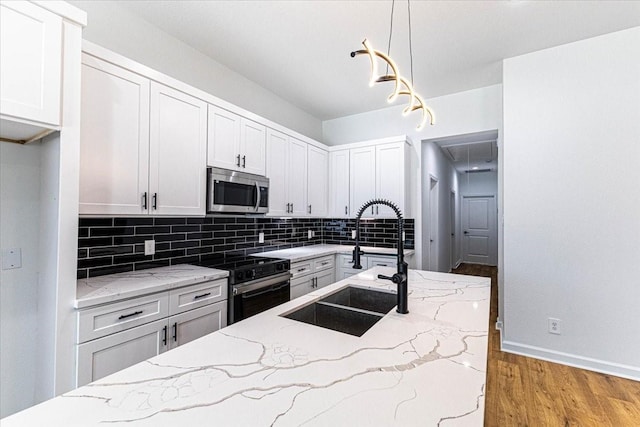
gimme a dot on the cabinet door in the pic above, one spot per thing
(104, 356)
(317, 173)
(339, 184)
(223, 145)
(177, 152)
(252, 147)
(362, 179)
(197, 323)
(30, 62)
(301, 286)
(277, 170)
(114, 140)
(390, 177)
(297, 178)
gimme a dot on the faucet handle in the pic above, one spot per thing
(382, 276)
(396, 278)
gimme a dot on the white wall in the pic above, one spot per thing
(456, 114)
(114, 27)
(480, 183)
(19, 228)
(572, 203)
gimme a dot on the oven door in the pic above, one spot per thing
(257, 296)
(236, 192)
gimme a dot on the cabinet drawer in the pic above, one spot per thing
(301, 268)
(194, 296)
(346, 261)
(382, 261)
(111, 318)
(324, 263)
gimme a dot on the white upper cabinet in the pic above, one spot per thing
(253, 147)
(390, 177)
(318, 181)
(30, 63)
(339, 184)
(365, 172)
(114, 135)
(362, 178)
(297, 180)
(287, 173)
(277, 172)
(178, 149)
(142, 147)
(235, 143)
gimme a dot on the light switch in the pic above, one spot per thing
(11, 258)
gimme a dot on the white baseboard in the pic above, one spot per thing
(604, 367)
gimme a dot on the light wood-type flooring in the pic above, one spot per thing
(522, 391)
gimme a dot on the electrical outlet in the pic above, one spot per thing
(261, 237)
(309, 234)
(149, 247)
(353, 234)
(554, 326)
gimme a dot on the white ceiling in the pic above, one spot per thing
(300, 49)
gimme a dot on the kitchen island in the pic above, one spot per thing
(424, 368)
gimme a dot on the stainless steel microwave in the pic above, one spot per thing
(236, 192)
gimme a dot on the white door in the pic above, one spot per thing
(479, 239)
(433, 224)
(223, 145)
(339, 184)
(104, 356)
(390, 177)
(317, 174)
(30, 61)
(297, 178)
(253, 143)
(177, 154)
(114, 140)
(194, 324)
(362, 179)
(277, 170)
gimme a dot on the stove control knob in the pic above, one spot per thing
(240, 275)
(251, 274)
(279, 266)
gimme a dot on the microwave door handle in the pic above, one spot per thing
(257, 198)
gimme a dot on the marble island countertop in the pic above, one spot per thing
(424, 368)
(303, 253)
(114, 287)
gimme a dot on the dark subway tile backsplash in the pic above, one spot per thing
(114, 245)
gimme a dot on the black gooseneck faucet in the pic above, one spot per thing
(401, 277)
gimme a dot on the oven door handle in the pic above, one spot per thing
(258, 196)
(270, 289)
(260, 283)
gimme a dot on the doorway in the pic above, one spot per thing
(433, 223)
(453, 253)
(479, 230)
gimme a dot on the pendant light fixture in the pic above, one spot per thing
(402, 86)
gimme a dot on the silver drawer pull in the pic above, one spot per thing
(202, 296)
(135, 313)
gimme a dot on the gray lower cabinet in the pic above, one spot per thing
(312, 274)
(111, 336)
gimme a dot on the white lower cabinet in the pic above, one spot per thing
(312, 274)
(115, 336)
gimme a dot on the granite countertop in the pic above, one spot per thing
(303, 253)
(119, 286)
(424, 368)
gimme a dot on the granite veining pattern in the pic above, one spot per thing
(114, 287)
(425, 368)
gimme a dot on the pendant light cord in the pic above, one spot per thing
(410, 47)
(393, 3)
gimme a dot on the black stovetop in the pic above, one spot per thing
(246, 268)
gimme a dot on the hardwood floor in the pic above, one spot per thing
(522, 391)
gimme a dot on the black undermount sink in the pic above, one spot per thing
(351, 310)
